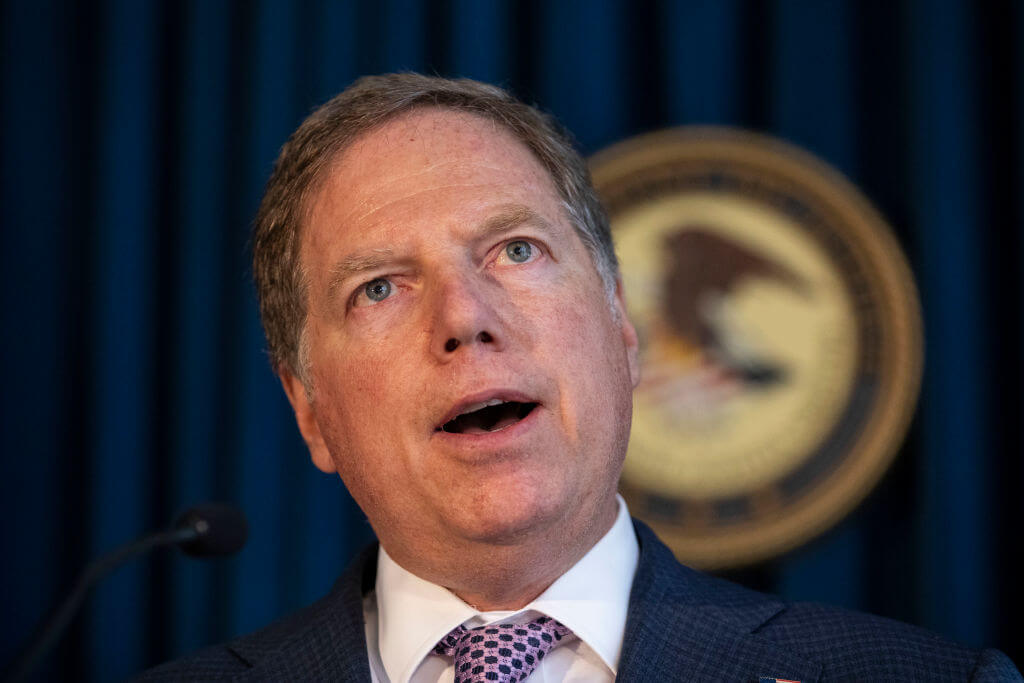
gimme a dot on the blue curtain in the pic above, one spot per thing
(137, 137)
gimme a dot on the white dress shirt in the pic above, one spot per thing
(406, 616)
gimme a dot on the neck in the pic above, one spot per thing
(508, 576)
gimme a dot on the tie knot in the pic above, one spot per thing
(501, 652)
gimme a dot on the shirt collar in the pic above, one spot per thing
(592, 599)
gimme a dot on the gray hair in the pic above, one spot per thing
(368, 103)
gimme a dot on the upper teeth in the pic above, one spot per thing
(482, 404)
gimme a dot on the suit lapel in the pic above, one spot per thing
(325, 641)
(683, 625)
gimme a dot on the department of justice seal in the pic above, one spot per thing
(780, 340)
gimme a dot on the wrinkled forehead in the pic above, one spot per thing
(424, 151)
(384, 177)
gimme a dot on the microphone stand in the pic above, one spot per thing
(50, 629)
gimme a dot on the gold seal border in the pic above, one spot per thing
(867, 236)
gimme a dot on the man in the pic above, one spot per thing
(442, 304)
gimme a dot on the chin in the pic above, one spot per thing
(509, 516)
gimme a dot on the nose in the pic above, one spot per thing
(465, 316)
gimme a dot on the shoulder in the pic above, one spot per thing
(293, 645)
(325, 640)
(853, 644)
(217, 663)
(821, 641)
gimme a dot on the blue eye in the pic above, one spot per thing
(519, 251)
(377, 290)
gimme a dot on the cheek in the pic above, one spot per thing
(580, 325)
(594, 365)
(576, 340)
(356, 393)
(354, 385)
(359, 366)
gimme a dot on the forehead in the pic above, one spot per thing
(422, 157)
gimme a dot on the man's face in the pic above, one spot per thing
(444, 277)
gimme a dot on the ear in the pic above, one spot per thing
(305, 415)
(629, 335)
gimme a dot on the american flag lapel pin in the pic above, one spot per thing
(768, 679)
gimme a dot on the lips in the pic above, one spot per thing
(481, 415)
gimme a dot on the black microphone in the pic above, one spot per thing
(204, 530)
(220, 529)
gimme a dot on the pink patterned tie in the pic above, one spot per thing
(501, 652)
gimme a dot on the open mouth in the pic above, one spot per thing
(490, 418)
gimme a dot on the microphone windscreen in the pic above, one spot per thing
(220, 529)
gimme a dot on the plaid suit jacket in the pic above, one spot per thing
(682, 626)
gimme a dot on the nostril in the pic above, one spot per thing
(451, 345)
(486, 338)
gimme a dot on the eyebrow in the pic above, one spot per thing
(353, 265)
(508, 217)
